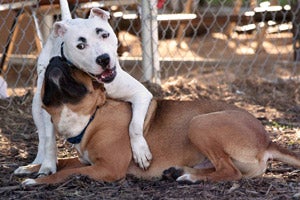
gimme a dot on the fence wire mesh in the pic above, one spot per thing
(211, 41)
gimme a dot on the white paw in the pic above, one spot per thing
(187, 178)
(141, 152)
(23, 170)
(29, 181)
(48, 168)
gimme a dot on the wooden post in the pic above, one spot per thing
(180, 32)
(236, 11)
(262, 30)
(11, 37)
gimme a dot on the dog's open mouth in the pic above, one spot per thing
(107, 75)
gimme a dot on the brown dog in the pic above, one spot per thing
(201, 140)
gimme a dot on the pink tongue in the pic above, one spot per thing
(106, 73)
(107, 76)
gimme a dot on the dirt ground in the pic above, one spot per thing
(276, 105)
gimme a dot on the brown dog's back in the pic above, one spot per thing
(184, 133)
(168, 132)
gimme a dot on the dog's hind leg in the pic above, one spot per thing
(223, 169)
(187, 174)
(224, 142)
(234, 142)
(219, 169)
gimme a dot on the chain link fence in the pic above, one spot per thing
(212, 41)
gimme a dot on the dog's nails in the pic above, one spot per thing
(135, 159)
(145, 167)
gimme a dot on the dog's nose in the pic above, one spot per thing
(103, 60)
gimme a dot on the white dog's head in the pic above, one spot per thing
(90, 44)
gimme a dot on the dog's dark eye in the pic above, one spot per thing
(105, 35)
(81, 46)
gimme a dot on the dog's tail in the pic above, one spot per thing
(65, 10)
(284, 155)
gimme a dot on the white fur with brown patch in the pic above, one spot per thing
(71, 124)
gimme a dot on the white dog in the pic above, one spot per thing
(91, 45)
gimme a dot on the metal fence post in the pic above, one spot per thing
(154, 34)
(150, 56)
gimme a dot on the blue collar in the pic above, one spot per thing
(77, 139)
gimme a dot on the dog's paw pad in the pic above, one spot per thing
(172, 173)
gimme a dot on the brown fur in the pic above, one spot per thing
(182, 134)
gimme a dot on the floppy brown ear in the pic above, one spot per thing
(102, 94)
(98, 86)
(97, 12)
(59, 29)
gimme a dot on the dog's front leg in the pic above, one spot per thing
(140, 148)
(96, 172)
(42, 121)
(37, 115)
(47, 145)
(50, 149)
(127, 88)
(47, 150)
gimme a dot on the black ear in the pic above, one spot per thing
(60, 86)
(72, 90)
(52, 93)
